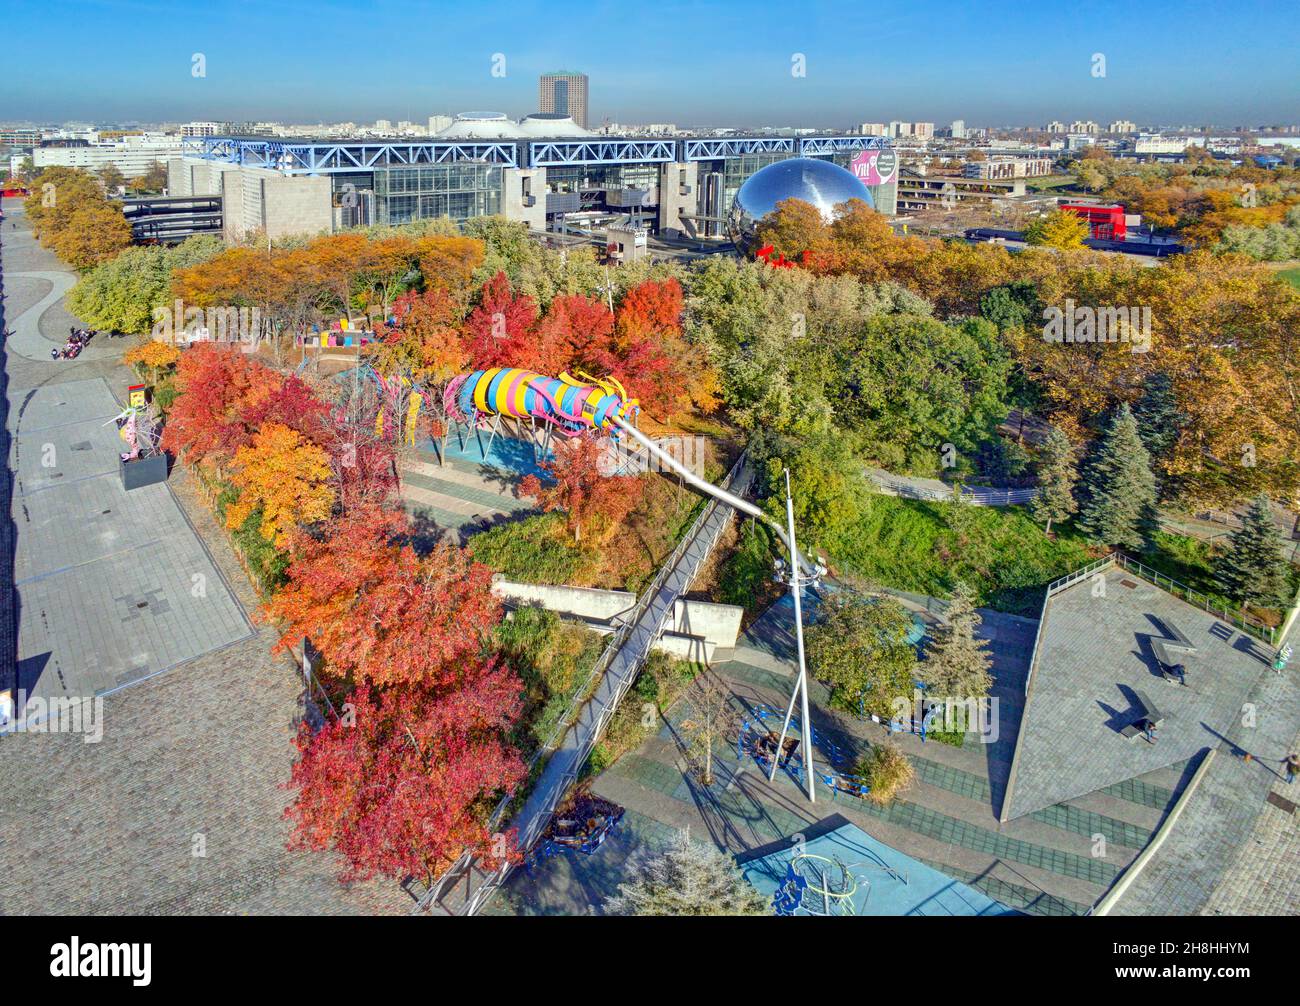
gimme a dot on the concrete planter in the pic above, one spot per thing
(143, 471)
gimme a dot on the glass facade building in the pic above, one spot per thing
(581, 177)
(459, 191)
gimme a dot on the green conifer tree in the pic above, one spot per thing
(1057, 476)
(957, 661)
(1253, 571)
(1118, 487)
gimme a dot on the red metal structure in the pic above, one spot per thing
(1106, 223)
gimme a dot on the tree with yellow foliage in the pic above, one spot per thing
(284, 476)
(1058, 229)
(150, 359)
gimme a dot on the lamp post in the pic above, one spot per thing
(797, 582)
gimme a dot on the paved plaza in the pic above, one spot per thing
(1048, 863)
(112, 586)
(1095, 656)
(178, 807)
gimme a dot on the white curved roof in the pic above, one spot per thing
(551, 124)
(482, 126)
(495, 126)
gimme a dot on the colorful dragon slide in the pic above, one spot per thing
(573, 406)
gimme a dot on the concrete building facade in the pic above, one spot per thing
(576, 184)
(132, 155)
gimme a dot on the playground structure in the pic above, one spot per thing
(581, 826)
(758, 740)
(571, 407)
(575, 406)
(817, 885)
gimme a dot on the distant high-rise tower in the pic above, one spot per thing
(564, 93)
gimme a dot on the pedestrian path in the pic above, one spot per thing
(25, 336)
(457, 494)
(617, 668)
(935, 490)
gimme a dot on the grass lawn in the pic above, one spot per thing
(1292, 276)
(540, 549)
(927, 547)
(998, 551)
(1044, 182)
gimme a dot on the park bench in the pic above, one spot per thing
(1146, 717)
(1171, 667)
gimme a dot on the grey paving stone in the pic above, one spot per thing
(1094, 652)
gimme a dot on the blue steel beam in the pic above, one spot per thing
(542, 153)
(810, 145)
(715, 149)
(329, 158)
(308, 158)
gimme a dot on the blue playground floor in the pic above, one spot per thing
(507, 453)
(880, 880)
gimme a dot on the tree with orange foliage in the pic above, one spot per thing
(335, 262)
(284, 476)
(425, 342)
(650, 356)
(499, 331)
(287, 400)
(387, 267)
(378, 611)
(792, 228)
(572, 329)
(150, 359)
(577, 485)
(449, 263)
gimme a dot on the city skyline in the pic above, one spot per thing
(838, 66)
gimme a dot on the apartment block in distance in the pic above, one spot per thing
(564, 93)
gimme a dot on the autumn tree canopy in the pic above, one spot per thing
(376, 610)
(576, 483)
(282, 475)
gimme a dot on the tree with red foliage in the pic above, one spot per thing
(499, 331)
(365, 470)
(288, 401)
(650, 309)
(574, 329)
(577, 485)
(213, 381)
(378, 611)
(652, 359)
(400, 783)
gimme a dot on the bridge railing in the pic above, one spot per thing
(465, 868)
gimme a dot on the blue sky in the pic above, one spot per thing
(657, 61)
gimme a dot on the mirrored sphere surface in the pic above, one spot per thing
(824, 184)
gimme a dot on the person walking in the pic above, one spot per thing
(1292, 766)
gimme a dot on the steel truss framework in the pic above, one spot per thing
(810, 146)
(737, 146)
(332, 158)
(319, 158)
(547, 152)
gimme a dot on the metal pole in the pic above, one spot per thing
(801, 681)
(798, 635)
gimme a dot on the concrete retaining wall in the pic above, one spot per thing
(718, 624)
(582, 602)
(694, 623)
